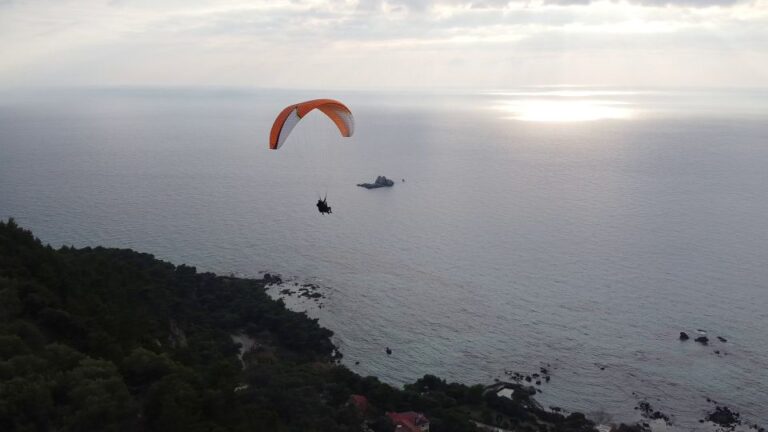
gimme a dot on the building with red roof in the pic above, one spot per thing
(360, 402)
(409, 421)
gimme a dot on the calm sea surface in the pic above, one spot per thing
(579, 228)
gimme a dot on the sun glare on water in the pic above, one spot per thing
(566, 110)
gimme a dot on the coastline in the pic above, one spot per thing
(308, 297)
(156, 331)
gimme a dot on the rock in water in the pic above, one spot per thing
(702, 340)
(381, 181)
(723, 416)
(722, 339)
(684, 336)
(272, 279)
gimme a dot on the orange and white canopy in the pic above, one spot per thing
(291, 115)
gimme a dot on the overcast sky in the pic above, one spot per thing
(485, 44)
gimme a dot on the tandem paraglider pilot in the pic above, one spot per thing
(323, 207)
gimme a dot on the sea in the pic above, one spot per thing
(579, 229)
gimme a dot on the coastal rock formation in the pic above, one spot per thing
(684, 336)
(647, 411)
(538, 378)
(272, 279)
(630, 428)
(381, 181)
(307, 290)
(702, 340)
(722, 416)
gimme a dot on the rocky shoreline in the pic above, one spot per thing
(719, 417)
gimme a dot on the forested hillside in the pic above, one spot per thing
(99, 339)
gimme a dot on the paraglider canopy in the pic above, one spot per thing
(292, 114)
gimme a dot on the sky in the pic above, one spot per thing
(374, 44)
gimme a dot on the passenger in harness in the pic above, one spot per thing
(323, 207)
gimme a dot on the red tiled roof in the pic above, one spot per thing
(411, 421)
(360, 402)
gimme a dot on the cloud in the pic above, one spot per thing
(657, 3)
(382, 42)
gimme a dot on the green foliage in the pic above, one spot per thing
(97, 397)
(382, 424)
(10, 346)
(143, 367)
(107, 339)
(115, 340)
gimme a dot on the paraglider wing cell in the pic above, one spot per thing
(291, 115)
